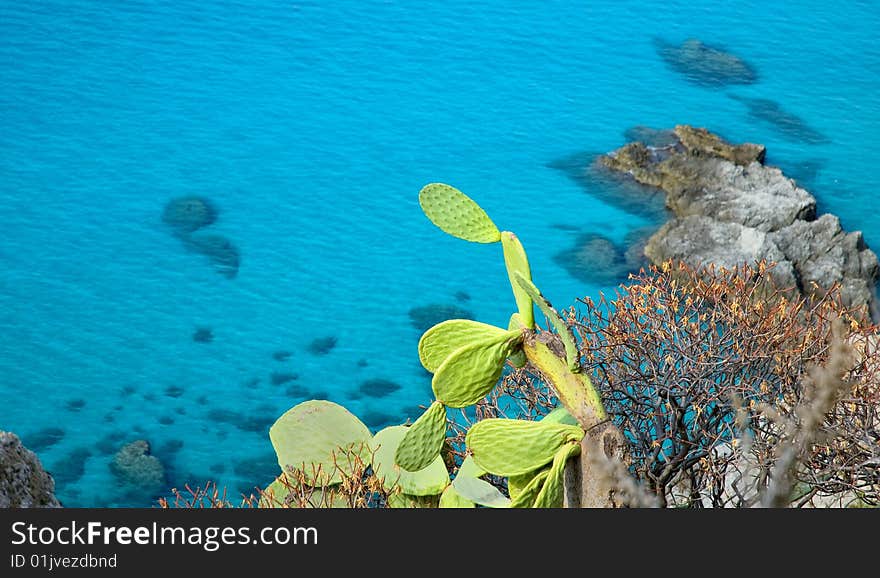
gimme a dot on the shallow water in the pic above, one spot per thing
(312, 126)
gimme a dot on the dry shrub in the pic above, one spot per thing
(677, 346)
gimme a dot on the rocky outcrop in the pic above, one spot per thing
(23, 481)
(729, 208)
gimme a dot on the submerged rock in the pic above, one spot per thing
(705, 65)
(378, 387)
(611, 187)
(594, 259)
(69, 469)
(188, 214)
(729, 208)
(203, 335)
(789, 125)
(427, 316)
(44, 439)
(219, 250)
(322, 345)
(23, 481)
(135, 466)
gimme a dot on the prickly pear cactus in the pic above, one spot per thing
(471, 371)
(516, 262)
(572, 355)
(312, 433)
(450, 498)
(430, 481)
(510, 447)
(550, 495)
(457, 214)
(438, 342)
(423, 440)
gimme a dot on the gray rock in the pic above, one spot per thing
(729, 208)
(822, 253)
(754, 195)
(23, 481)
(698, 240)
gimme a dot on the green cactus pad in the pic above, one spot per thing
(423, 440)
(438, 342)
(470, 468)
(516, 484)
(559, 415)
(529, 493)
(510, 447)
(312, 433)
(572, 356)
(457, 214)
(517, 358)
(551, 493)
(471, 372)
(399, 500)
(516, 261)
(450, 498)
(428, 481)
(276, 493)
(480, 492)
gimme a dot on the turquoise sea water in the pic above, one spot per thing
(312, 126)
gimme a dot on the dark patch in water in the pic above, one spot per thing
(75, 404)
(598, 260)
(297, 391)
(203, 335)
(68, 470)
(789, 125)
(376, 420)
(426, 316)
(168, 449)
(187, 214)
(109, 418)
(166, 420)
(202, 400)
(43, 439)
(258, 470)
(322, 345)
(378, 387)
(110, 443)
(462, 296)
(354, 394)
(705, 65)
(281, 355)
(174, 391)
(614, 188)
(220, 251)
(362, 362)
(321, 394)
(217, 468)
(149, 396)
(564, 227)
(244, 422)
(180, 411)
(128, 390)
(279, 378)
